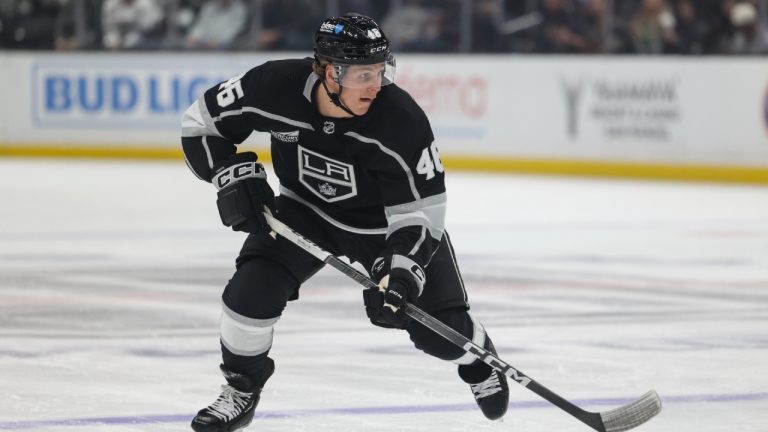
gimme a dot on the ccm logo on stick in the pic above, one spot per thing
(509, 371)
(238, 172)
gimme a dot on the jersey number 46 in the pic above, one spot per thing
(429, 162)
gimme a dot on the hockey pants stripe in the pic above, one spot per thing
(245, 336)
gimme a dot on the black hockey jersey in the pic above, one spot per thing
(379, 173)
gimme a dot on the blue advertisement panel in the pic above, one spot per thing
(123, 92)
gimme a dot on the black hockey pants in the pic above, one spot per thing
(271, 271)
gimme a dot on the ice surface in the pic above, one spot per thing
(110, 277)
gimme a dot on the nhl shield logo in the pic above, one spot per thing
(329, 127)
(328, 179)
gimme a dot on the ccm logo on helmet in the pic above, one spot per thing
(238, 172)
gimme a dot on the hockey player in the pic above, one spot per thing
(360, 175)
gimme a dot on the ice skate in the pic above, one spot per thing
(235, 406)
(491, 392)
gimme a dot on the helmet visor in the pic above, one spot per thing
(366, 75)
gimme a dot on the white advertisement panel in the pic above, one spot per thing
(663, 110)
(711, 111)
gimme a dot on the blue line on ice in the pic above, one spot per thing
(381, 410)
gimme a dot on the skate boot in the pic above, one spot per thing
(491, 392)
(235, 406)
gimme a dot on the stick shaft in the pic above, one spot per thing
(593, 420)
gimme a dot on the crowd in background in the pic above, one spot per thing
(474, 26)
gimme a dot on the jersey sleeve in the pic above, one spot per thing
(412, 185)
(221, 118)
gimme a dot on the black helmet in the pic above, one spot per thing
(351, 39)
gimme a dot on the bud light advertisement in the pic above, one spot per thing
(122, 94)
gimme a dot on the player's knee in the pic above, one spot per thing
(259, 289)
(458, 319)
(252, 303)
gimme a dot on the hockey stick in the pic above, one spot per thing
(620, 419)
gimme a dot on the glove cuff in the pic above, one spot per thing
(409, 265)
(237, 172)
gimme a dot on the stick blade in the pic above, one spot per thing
(632, 415)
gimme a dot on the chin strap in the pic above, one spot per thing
(336, 98)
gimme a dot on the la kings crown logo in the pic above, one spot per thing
(327, 178)
(328, 190)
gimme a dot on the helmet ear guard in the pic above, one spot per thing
(338, 74)
(336, 77)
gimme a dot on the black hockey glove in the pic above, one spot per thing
(401, 280)
(243, 192)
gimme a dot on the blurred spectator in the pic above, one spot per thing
(652, 28)
(590, 24)
(70, 33)
(289, 24)
(557, 32)
(521, 26)
(217, 25)
(691, 29)
(415, 27)
(495, 26)
(748, 36)
(27, 24)
(515, 8)
(487, 17)
(717, 23)
(625, 9)
(181, 15)
(131, 24)
(375, 9)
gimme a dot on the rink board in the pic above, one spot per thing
(686, 118)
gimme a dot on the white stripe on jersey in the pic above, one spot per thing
(309, 85)
(207, 152)
(455, 265)
(294, 196)
(418, 243)
(194, 124)
(428, 212)
(207, 118)
(394, 155)
(264, 114)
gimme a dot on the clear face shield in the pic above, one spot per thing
(359, 76)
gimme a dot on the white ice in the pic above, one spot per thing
(110, 277)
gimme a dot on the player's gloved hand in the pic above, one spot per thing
(243, 192)
(401, 280)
